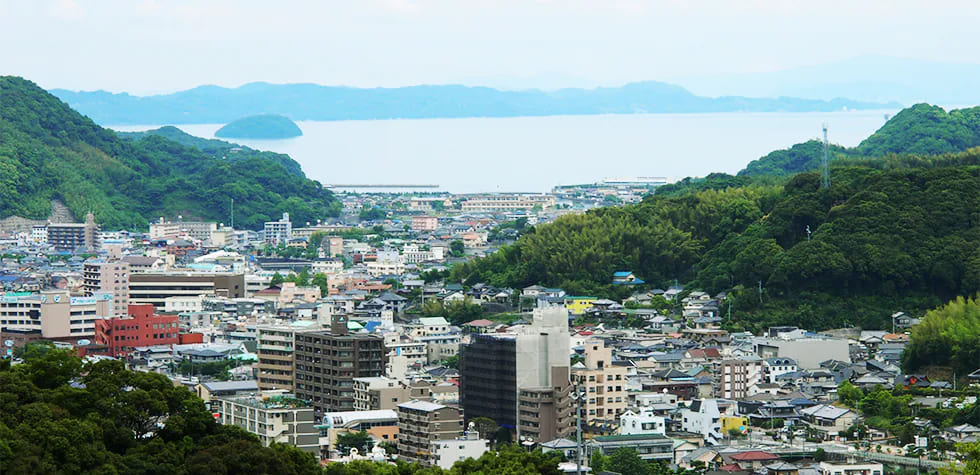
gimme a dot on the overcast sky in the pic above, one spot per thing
(147, 46)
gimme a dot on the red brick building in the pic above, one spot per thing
(141, 328)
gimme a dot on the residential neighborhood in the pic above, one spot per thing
(311, 334)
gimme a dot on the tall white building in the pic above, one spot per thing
(279, 232)
(111, 278)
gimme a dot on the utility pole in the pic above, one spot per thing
(578, 430)
(233, 213)
(760, 292)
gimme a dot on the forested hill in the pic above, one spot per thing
(887, 236)
(922, 129)
(49, 151)
(213, 104)
(262, 126)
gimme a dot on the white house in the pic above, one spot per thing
(644, 422)
(703, 418)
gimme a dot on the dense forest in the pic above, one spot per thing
(58, 415)
(48, 151)
(897, 233)
(947, 336)
(919, 130)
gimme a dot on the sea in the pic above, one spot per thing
(534, 154)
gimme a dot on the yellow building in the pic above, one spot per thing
(732, 422)
(578, 305)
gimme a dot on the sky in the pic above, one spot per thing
(156, 46)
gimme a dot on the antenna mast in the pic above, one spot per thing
(825, 174)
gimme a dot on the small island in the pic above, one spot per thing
(264, 126)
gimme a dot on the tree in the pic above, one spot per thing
(456, 248)
(626, 460)
(949, 335)
(485, 426)
(277, 279)
(323, 282)
(848, 394)
(451, 362)
(361, 441)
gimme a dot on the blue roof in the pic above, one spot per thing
(370, 325)
(624, 273)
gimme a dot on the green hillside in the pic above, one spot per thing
(263, 126)
(48, 151)
(922, 129)
(888, 235)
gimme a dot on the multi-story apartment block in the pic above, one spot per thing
(420, 423)
(274, 349)
(111, 278)
(604, 385)
(273, 417)
(425, 223)
(54, 313)
(529, 368)
(385, 393)
(278, 232)
(737, 377)
(326, 363)
(69, 237)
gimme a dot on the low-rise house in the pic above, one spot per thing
(829, 421)
(647, 446)
(962, 433)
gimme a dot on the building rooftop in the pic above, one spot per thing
(421, 405)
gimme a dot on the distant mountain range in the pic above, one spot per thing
(867, 78)
(213, 104)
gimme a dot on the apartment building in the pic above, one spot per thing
(738, 376)
(326, 363)
(274, 349)
(528, 368)
(603, 383)
(425, 223)
(380, 392)
(54, 313)
(420, 423)
(273, 417)
(278, 232)
(111, 278)
(69, 237)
